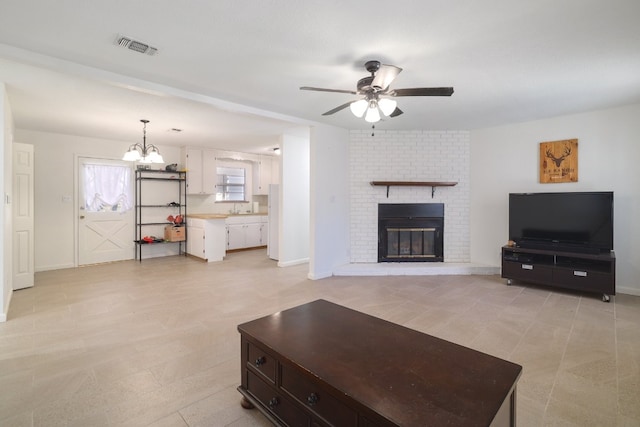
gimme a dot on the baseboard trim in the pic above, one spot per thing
(415, 269)
(53, 267)
(5, 310)
(628, 291)
(293, 262)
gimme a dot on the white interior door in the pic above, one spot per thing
(105, 211)
(23, 250)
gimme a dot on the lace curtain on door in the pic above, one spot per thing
(107, 188)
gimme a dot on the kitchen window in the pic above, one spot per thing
(231, 184)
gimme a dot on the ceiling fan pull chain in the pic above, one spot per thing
(373, 130)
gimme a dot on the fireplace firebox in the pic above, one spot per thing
(410, 232)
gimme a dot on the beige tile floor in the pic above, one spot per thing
(155, 343)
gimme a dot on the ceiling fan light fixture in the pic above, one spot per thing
(358, 108)
(373, 114)
(387, 106)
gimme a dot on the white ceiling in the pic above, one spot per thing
(228, 72)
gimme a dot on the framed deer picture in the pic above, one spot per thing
(559, 161)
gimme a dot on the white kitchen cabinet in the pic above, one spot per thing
(245, 231)
(252, 235)
(264, 230)
(201, 165)
(275, 171)
(266, 172)
(207, 238)
(235, 236)
(195, 244)
(262, 175)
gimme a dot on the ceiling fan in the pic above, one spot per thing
(377, 96)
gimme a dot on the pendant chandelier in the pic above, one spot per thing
(143, 153)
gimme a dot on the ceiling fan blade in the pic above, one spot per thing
(319, 89)
(396, 112)
(335, 110)
(384, 76)
(423, 91)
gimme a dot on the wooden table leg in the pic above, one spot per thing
(245, 403)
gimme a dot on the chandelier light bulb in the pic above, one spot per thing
(132, 155)
(154, 156)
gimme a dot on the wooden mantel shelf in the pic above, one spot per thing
(432, 184)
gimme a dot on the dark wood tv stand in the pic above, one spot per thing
(571, 270)
(321, 364)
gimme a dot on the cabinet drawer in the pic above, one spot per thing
(525, 271)
(262, 362)
(584, 280)
(318, 400)
(195, 222)
(243, 219)
(275, 403)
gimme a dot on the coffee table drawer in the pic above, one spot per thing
(318, 400)
(275, 403)
(262, 362)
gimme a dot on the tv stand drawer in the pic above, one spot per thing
(527, 271)
(584, 280)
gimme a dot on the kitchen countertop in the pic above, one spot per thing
(220, 216)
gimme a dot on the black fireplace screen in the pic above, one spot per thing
(410, 232)
(410, 242)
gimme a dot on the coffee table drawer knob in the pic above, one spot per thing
(312, 399)
(260, 361)
(273, 402)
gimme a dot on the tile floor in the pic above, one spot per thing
(155, 343)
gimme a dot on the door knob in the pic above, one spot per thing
(81, 216)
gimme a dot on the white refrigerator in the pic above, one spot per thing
(273, 247)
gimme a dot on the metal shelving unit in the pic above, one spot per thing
(173, 207)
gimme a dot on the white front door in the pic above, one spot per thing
(23, 250)
(105, 211)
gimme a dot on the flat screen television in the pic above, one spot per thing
(576, 221)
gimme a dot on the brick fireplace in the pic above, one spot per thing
(409, 156)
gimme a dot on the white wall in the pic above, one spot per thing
(329, 200)
(294, 200)
(6, 232)
(419, 155)
(505, 159)
(55, 167)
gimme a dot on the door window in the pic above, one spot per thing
(107, 188)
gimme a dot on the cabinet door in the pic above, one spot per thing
(235, 233)
(209, 175)
(275, 170)
(263, 176)
(252, 235)
(193, 164)
(195, 243)
(264, 233)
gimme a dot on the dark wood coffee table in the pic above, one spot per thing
(322, 364)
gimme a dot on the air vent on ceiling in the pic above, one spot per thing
(137, 46)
